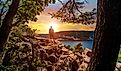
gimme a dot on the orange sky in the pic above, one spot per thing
(45, 21)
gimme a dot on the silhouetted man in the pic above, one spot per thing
(51, 33)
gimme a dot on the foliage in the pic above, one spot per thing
(4, 5)
(68, 47)
(18, 52)
(72, 12)
(2, 68)
(28, 9)
(19, 49)
(78, 47)
(119, 55)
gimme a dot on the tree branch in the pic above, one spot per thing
(61, 2)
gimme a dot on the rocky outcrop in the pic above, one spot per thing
(118, 66)
(59, 58)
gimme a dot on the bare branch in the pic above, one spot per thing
(61, 2)
(71, 13)
(3, 7)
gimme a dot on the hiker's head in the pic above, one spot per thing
(51, 27)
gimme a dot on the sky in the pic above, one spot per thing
(45, 21)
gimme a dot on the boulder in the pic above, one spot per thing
(49, 51)
(53, 58)
(74, 66)
(49, 68)
(89, 53)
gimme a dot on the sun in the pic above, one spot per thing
(54, 26)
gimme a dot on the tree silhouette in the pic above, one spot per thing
(72, 12)
(107, 33)
(14, 13)
(107, 36)
(7, 22)
(18, 12)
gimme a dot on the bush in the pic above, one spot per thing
(19, 53)
(78, 47)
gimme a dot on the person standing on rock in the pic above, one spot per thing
(51, 33)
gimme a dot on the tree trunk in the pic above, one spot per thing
(7, 23)
(107, 36)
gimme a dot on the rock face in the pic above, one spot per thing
(118, 66)
(59, 58)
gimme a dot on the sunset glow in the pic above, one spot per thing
(43, 28)
(45, 21)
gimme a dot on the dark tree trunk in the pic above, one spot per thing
(107, 36)
(7, 23)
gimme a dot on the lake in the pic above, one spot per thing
(85, 44)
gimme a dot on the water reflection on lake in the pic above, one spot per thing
(86, 44)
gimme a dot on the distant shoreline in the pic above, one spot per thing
(68, 31)
(75, 40)
(72, 35)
